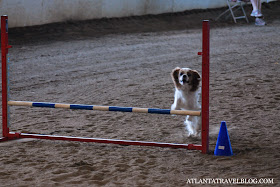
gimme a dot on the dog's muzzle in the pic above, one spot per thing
(184, 79)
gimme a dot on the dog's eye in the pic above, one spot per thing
(189, 74)
(181, 74)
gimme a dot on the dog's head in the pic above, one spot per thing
(185, 78)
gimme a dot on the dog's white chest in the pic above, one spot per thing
(186, 101)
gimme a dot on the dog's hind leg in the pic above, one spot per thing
(193, 125)
(189, 126)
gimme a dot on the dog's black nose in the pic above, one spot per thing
(184, 76)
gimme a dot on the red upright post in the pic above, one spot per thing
(4, 50)
(205, 87)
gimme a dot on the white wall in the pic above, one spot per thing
(36, 12)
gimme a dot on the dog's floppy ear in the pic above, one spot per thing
(196, 78)
(175, 76)
(196, 75)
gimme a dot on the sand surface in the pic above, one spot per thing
(127, 62)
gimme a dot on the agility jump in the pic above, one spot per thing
(204, 113)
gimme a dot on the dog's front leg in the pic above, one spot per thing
(175, 105)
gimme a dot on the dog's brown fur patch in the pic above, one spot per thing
(194, 80)
(175, 77)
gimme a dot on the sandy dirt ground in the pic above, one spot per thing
(127, 62)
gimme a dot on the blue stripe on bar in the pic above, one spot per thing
(82, 107)
(120, 109)
(158, 111)
(48, 105)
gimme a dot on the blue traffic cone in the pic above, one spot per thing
(223, 146)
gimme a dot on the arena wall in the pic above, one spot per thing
(37, 12)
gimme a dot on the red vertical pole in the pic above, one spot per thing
(4, 51)
(205, 87)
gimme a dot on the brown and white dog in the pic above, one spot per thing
(186, 96)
